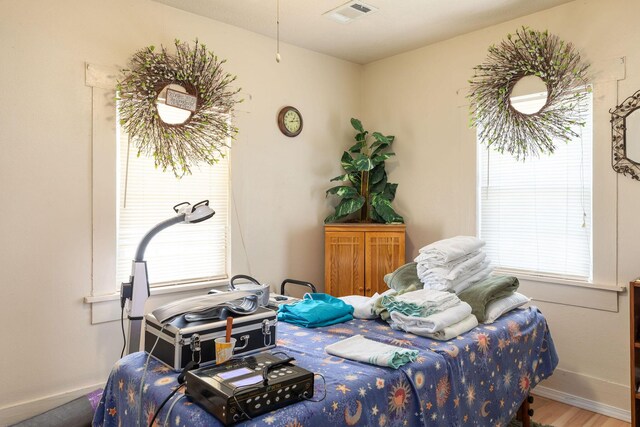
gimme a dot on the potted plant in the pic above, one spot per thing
(369, 193)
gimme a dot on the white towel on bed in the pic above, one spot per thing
(454, 269)
(362, 349)
(447, 250)
(433, 281)
(430, 324)
(449, 332)
(363, 306)
(468, 282)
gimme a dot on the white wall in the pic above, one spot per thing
(50, 346)
(419, 96)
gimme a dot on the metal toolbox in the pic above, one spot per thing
(180, 341)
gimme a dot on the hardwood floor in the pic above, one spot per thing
(547, 411)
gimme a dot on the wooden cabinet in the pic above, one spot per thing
(634, 315)
(357, 256)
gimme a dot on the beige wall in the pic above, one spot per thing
(419, 96)
(50, 346)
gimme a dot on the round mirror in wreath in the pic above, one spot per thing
(171, 114)
(529, 95)
(522, 56)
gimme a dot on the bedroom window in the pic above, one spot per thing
(536, 215)
(182, 253)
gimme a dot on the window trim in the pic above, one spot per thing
(535, 275)
(545, 278)
(606, 74)
(104, 297)
(175, 283)
(162, 290)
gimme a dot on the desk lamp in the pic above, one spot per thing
(137, 289)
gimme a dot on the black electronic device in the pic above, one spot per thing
(241, 388)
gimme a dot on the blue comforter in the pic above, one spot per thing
(477, 379)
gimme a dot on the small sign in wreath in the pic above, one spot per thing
(528, 53)
(207, 100)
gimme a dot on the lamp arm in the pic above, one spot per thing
(155, 230)
(137, 289)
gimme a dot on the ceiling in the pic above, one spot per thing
(397, 26)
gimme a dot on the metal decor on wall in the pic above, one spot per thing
(625, 137)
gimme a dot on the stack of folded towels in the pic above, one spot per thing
(446, 292)
(430, 313)
(453, 264)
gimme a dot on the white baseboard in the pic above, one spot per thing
(20, 411)
(581, 402)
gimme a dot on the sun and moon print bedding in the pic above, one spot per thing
(477, 379)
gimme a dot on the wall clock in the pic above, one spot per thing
(290, 121)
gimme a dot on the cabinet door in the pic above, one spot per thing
(344, 263)
(384, 253)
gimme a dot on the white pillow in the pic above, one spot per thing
(504, 305)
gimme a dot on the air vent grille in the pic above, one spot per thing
(350, 11)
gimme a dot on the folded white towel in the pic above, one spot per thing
(428, 260)
(427, 297)
(434, 323)
(433, 281)
(454, 269)
(470, 281)
(361, 349)
(363, 306)
(449, 332)
(447, 250)
(497, 308)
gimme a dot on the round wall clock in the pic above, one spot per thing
(290, 121)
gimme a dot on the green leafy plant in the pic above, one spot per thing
(369, 193)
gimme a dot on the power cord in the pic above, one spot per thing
(166, 419)
(124, 336)
(181, 380)
(235, 398)
(324, 383)
(144, 374)
(164, 402)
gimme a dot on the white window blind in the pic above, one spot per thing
(536, 215)
(182, 252)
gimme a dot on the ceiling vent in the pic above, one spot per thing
(350, 11)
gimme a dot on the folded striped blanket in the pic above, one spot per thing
(362, 349)
(420, 303)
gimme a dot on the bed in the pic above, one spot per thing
(477, 379)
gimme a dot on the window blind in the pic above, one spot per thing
(536, 215)
(183, 252)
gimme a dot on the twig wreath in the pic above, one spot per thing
(203, 136)
(528, 53)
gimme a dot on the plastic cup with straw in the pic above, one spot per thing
(226, 344)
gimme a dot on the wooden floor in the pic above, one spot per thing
(558, 414)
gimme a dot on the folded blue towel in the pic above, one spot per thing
(316, 310)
